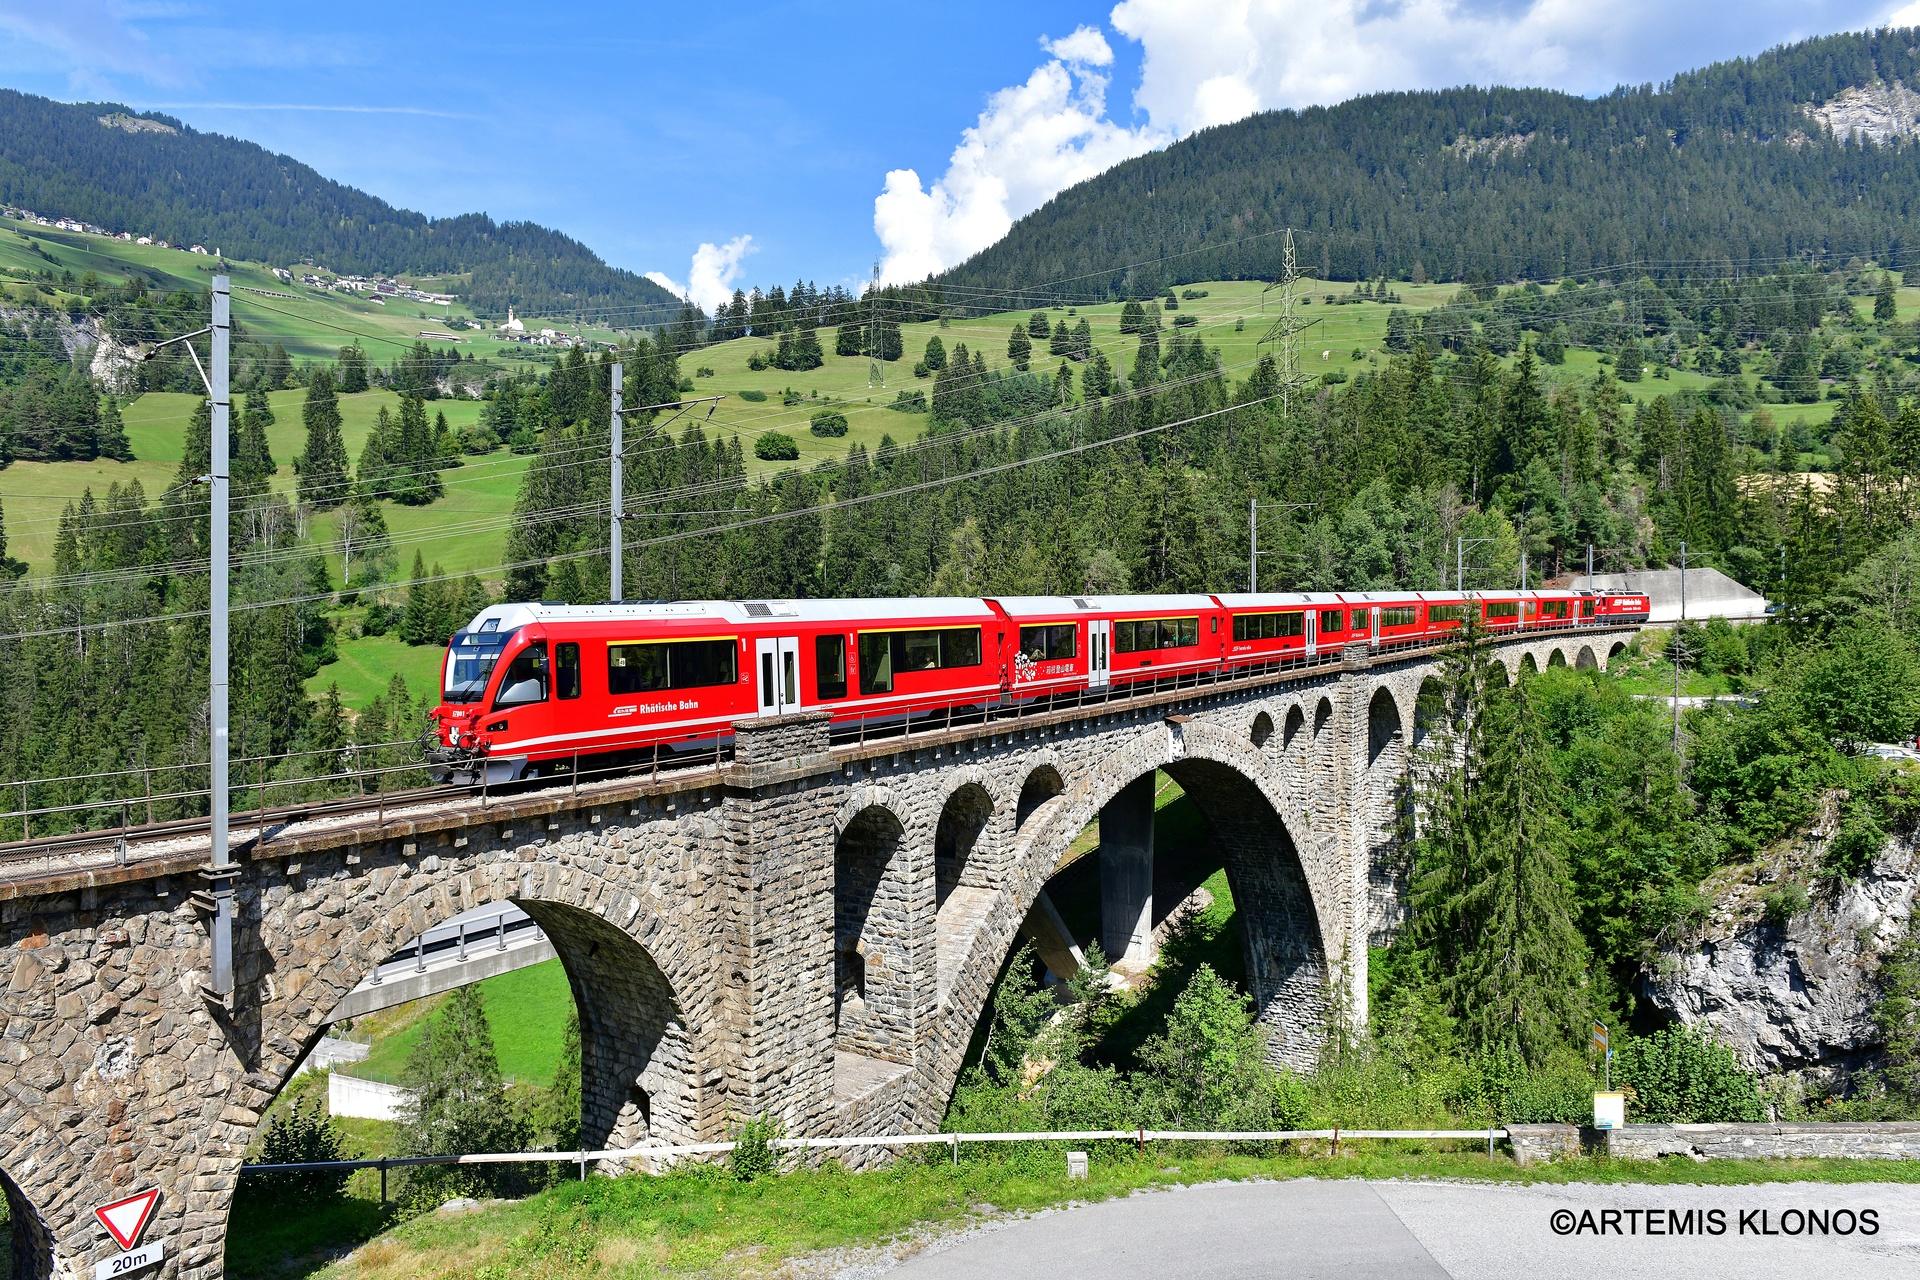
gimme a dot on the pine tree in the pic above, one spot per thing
(425, 608)
(1082, 345)
(1132, 320)
(323, 467)
(111, 436)
(1039, 325)
(936, 354)
(850, 340)
(1630, 363)
(1019, 348)
(366, 550)
(1146, 361)
(253, 464)
(1063, 386)
(459, 1101)
(558, 1110)
(353, 370)
(1099, 380)
(1885, 308)
(1060, 341)
(1491, 895)
(414, 459)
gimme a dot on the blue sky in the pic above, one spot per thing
(650, 130)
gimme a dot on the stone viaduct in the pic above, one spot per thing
(804, 930)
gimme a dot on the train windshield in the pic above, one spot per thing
(470, 659)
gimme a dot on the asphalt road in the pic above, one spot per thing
(1307, 1229)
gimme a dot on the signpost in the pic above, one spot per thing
(125, 1220)
(1609, 1108)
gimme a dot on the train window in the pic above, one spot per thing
(1330, 620)
(470, 662)
(1359, 620)
(882, 653)
(1553, 608)
(1143, 634)
(1503, 609)
(876, 663)
(1400, 616)
(1269, 626)
(679, 664)
(830, 666)
(1446, 613)
(1045, 644)
(526, 678)
(1586, 608)
(566, 670)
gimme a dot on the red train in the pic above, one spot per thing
(533, 688)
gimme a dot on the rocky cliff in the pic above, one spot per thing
(1793, 999)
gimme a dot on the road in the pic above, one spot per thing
(1307, 1229)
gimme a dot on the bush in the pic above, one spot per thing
(704, 371)
(1780, 903)
(524, 440)
(753, 397)
(1190, 294)
(1679, 1076)
(754, 1155)
(380, 619)
(774, 447)
(1185, 321)
(1858, 841)
(828, 423)
(304, 1134)
(758, 362)
(910, 402)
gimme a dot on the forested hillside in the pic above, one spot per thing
(1723, 167)
(152, 175)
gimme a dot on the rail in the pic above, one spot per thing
(1139, 1137)
(366, 784)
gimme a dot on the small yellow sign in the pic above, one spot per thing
(1600, 1036)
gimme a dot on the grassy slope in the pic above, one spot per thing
(527, 1010)
(465, 531)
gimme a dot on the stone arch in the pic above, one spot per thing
(1290, 917)
(963, 819)
(1262, 730)
(1617, 648)
(1322, 715)
(1290, 731)
(1500, 675)
(1429, 708)
(1557, 657)
(1528, 667)
(1383, 728)
(873, 913)
(1586, 661)
(33, 1254)
(1043, 784)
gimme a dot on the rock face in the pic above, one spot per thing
(1794, 1000)
(1876, 111)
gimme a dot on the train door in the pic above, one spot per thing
(1313, 632)
(1373, 626)
(777, 661)
(1099, 643)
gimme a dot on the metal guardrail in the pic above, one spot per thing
(1139, 1137)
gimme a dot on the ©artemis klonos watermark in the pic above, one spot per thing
(1715, 1222)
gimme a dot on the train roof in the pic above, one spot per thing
(1049, 606)
(1277, 599)
(739, 612)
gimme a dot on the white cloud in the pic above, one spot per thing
(92, 35)
(1031, 141)
(712, 274)
(1211, 62)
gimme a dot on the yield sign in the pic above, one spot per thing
(126, 1219)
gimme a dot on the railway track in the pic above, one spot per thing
(251, 829)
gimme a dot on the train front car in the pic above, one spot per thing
(532, 689)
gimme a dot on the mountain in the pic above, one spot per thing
(1807, 149)
(148, 173)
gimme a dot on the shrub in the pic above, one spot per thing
(1193, 293)
(753, 397)
(1858, 841)
(758, 362)
(1679, 1076)
(1185, 321)
(754, 1155)
(774, 447)
(703, 371)
(828, 423)
(304, 1134)
(1780, 903)
(910, 402)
